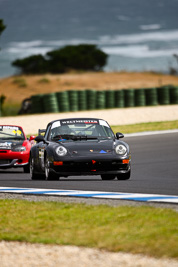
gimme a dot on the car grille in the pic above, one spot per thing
(5, 161)
(71, 166)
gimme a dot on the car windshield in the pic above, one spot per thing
(88, 130)
(11, 133)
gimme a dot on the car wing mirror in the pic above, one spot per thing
(119, 135)
(39, 138)
(32, 137)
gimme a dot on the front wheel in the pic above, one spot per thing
(124, 176)
(34, 175)
(108, 176)
(49, 175)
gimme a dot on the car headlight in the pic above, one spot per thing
(61, 151)
(120, 149)
(19, 148)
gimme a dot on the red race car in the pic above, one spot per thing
(14, 147)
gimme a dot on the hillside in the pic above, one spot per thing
(17, 88)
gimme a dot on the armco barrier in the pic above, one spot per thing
(89, 99)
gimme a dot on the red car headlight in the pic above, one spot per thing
(19, 149)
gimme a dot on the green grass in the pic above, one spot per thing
(44, 80)
(142, 127)
(10, 109)
(21, 82)
(148, 230)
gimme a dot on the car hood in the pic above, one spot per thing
(8, 144)
(89, 146)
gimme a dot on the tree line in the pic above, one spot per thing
(85, 57)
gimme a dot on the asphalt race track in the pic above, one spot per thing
(154, 170)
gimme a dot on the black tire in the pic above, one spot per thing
(108, 176)
(26, 168)
(124, 176)
(34, 175)
(49, 175)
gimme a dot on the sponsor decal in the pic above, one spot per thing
(41, 153)
(102, 151)
(79, 121)
(56, 124)
(17, 132)
(11, 128)
(104, 123)
(6, 145)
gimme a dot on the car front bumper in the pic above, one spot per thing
(10, 159)
(85, 166)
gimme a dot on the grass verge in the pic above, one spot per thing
(148, 230)
(142, 127)
(10, 109)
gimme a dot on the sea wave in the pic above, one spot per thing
(150, 27)
(137, 38)
(19, 52)
(138, 51)
(140, 45)
(133, 51)
(165, 36)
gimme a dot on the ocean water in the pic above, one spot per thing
(138, 35)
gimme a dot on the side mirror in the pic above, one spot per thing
(32, 137)
(119, 135)
(39, 138)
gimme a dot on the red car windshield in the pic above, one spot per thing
(11, 133)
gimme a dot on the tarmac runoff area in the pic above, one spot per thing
(119, 116)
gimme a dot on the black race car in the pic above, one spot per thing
(80, 146)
